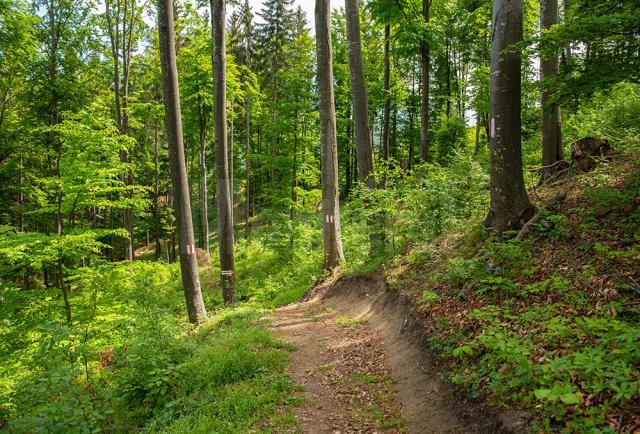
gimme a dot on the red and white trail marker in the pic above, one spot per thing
(191, 249)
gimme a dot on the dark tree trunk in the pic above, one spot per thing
(177, 164)
(294, 181)
(360, 104)
(204, 206)
(509, 200)
(387, 105)
(476, 148)
(349, 164)
(359, 98)
(247, 192)
(156, 191)
(424, 97)
(567, 51)
(120, 25)
(223, 184)
(551, 120)
(230, 152)
(333, 255)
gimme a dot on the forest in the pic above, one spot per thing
(391, 216)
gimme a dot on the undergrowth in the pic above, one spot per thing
(550, 324)
(131, 361)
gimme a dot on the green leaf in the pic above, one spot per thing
(570, 398)
(542, 393)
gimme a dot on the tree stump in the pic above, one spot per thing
(587, 151)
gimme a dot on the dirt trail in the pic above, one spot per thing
(362, 364)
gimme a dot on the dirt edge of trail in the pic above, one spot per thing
(428, 404)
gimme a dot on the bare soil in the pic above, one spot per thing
(363, 365)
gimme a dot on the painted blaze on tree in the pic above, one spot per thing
(510, 206)
(333, 255)
(177, 165)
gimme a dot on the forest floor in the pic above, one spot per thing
(362, 366)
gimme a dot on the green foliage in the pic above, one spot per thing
(132, 360)
(611, 115)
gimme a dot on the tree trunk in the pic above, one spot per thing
(359, 98)
(156, 190)
(223, 186)
(387, 105)
(177, 164)
(424, 97)
(510, 206)
(348, 166)
(230, 151)
(294, 182)
(333, 255)
(247, 191)
(360, 104)
(204, 207)
(551, 120)
(476, 149)
(567, 51)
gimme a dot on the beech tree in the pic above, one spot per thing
(177, 165)
(223, 185)
(509, 200)
(551, 119)
(333, 255)
(424, 82)
(360, 104)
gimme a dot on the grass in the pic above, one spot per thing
(131, 360)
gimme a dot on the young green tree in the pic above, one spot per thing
(122, 18)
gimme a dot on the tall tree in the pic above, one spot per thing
(173, 125)
(551, 119)
(387, 102)
(359, 99)
(360, 104)
(333, 255)
(509, 200)
(425, 83)
(122, 17)
(223, 186)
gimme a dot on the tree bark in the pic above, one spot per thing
(247, 191)
(360, 104)
(121, 39)
(156, 189)
(223, 185)
(510, 206)
(424, 97)
(333, 255)
(550, 117)
(387, 105)
(177, 164)
(359, 97)
(476, 148)
(204, 207)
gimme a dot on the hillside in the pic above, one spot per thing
(548, 325)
